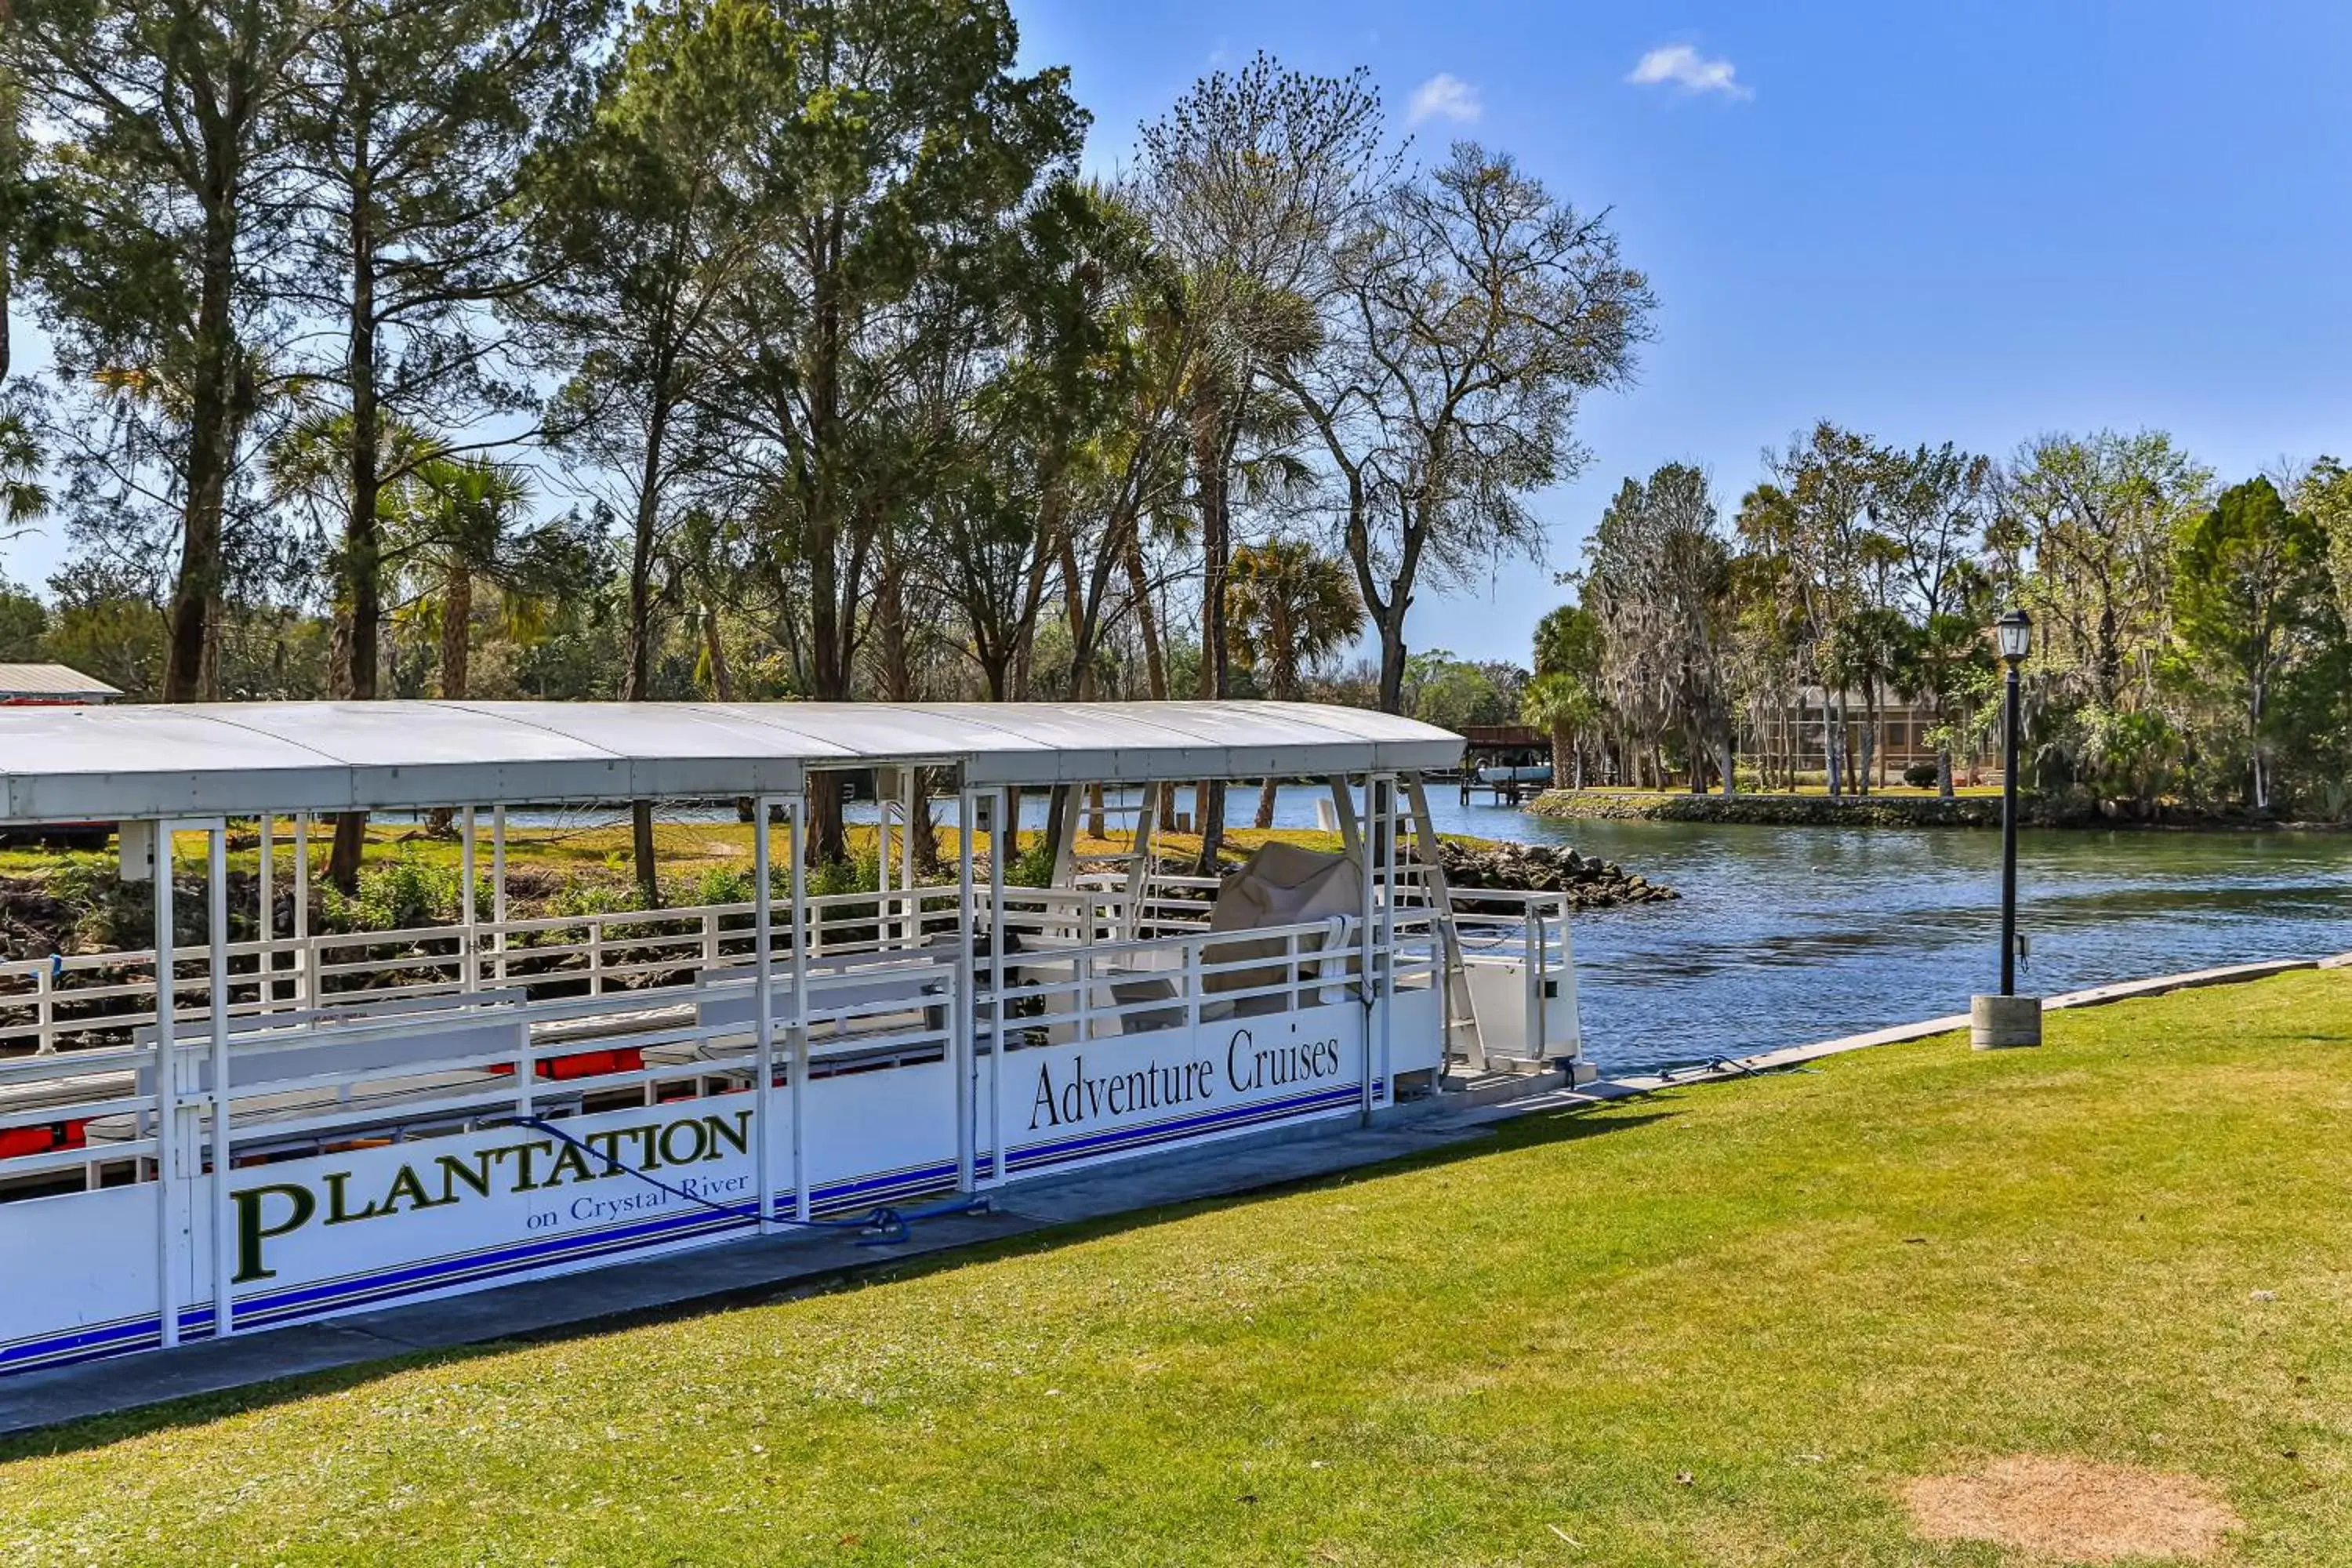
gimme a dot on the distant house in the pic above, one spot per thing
(49, 685)
(1799, 736)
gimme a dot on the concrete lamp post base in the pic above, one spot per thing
(1998, 1022)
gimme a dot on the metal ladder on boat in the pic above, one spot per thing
(1464, 1042)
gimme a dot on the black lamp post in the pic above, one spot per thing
(2015, 630)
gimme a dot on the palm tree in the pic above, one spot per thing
(21, 499)
(1287, 610)
(1562, 704)
(459, 526)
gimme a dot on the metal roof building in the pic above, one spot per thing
(52, 683)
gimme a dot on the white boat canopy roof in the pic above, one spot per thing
(140, 760)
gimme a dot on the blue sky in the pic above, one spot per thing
(1964, 223)
(1932, 223)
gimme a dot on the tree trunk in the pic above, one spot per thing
(995, 673)
(1392, 629)
(10, 102)
(1081, 604)
(1024, 638)
(11, 106)
(828, 835)
(362, 559)
(2255, 739)
(1210, 448)
(636, 677)
(893, 642)
(456, 629)
(714, 647)
(1828, 748)
(457, 644)
(1155, 658)
(832, 600)
(1147, 619)
(189, 673)
(212, 416)
(928, 865)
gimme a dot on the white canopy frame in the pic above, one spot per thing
(1061, 1006)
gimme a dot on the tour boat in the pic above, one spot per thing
(322, 1122)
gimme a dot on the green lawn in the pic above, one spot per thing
(1802, 1290)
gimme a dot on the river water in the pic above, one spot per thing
(1784, 935)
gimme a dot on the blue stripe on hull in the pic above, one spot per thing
(330, 1298)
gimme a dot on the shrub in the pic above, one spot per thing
(1921, 776)
(396, 895)
(717, 885)
(598, 897)
(1034, 867)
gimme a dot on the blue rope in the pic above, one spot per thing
(886, 1225)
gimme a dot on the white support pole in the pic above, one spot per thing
(1000, 809)
(1387, 969)
(216, 934)
(763, 1011)
(1538, 969)
(911, 932)
(1363, 844)
(303, 993)
(800, 1035)
(964, 1044)
(472, 977)
(264, 961)
(498, 887)
(884, 781)
(1066, 845)
(167, 1104)
(1350, 840)
(1138, 863)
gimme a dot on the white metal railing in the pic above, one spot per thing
(52, 1004)
(63, 1061)
(1527, 934)
(1073, 991)
(664, 1045)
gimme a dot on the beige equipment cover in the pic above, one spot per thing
(1280, 885)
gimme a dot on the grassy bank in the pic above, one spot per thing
(1720, 1326)
(1900, 807)
(1890, 808)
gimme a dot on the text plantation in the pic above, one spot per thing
(279, 1208)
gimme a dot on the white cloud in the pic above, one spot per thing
(1685, 68)
(1443, 97)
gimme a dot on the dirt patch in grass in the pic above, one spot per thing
(2073, 1511)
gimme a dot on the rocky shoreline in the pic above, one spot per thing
(1502, 866)
(1589, 881)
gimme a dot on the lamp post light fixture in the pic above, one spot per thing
(2009, 1019)
(2015, 631)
